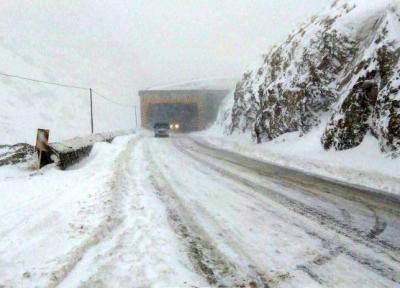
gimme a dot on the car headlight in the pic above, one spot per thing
(176, 126)
(171, 126)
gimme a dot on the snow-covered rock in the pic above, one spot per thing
(343, 64)
(17, 153)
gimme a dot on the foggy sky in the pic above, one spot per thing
(131, 45)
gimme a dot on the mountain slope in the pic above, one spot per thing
(343, 66)
(26, 106)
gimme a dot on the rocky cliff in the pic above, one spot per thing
(342, 66)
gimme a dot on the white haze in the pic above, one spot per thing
(122, 46)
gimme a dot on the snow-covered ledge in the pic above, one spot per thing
(71, 151)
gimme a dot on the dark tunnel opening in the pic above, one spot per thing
(186, 116)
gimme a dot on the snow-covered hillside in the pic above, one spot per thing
(26, 106)
(340, 72)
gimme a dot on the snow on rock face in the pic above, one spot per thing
(388, 113)
(344, 63)
(373, 101)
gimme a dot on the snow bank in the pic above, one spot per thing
(362, 165)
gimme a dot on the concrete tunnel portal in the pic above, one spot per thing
(192, 110)
(184, 115)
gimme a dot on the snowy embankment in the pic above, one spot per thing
(363, 165)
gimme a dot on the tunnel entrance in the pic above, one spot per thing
(192, 110)
(186, 115)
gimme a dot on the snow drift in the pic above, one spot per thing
(342, 66)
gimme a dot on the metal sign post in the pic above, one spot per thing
(42, 142)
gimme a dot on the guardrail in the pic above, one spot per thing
(69, 152)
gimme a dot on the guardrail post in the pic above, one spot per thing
(42, 147)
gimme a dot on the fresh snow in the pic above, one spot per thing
(365, 11)
(50, 219)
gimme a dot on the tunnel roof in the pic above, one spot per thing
(183, 93)
(199, 84)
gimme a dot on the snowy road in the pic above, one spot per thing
(292, 224)
(272, 226)
(184, 214)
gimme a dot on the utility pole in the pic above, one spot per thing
(91, 109)
(135, 118)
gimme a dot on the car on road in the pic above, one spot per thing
(161, 129)
(175, 127)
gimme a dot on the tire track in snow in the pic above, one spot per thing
(262, 204)
(380, 207)
(352, 193)
(299, 186)
(320, 216)
(379, 226)
(207, 259)
(111, 220)
(143, 250)
(322, 219)
(268, 279)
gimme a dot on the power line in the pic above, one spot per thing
(91, 92)
(112, 101)
(44, 82)
(64, 85)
